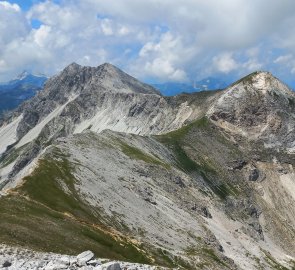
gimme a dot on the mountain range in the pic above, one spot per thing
(26, 85)
(23, 87)
(171, 88)
(99, 160)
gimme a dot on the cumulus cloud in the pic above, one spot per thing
(7, 6)
(225, 63)
(164, 59)
(13, 23)
(153, 39)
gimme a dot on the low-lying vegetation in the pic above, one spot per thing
(177, 142)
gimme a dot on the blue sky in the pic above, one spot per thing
(154, 40)
(27, 4)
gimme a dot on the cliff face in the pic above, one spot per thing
(200, 181)
(259, 107)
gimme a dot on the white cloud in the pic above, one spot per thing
(41, 35)
(225, 63)
(13, 23)
(106, 26)
(283, 59)
(164, 59)
(7, 6)
(156, 39)
(163, 69)
(252, 65)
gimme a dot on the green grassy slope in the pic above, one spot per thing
(46, 213)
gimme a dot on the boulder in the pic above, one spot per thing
(254, 174)
(6, 264)
(84, 257)
(111, 266)
(205, 212)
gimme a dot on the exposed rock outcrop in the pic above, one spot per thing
(260, 108)
(127, 170)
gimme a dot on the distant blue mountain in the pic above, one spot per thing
(171, 89)
(14, 92)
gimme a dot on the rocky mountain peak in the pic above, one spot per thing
(259, 106)
(262, 82)
(111, 77)
(22, 75)
(70, 70)
(110, 68)
(79, 93)
(104, 77)
(72, 66)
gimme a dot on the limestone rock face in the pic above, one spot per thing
(90, 84)
(259, 107)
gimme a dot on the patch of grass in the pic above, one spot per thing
(247, 79)
(11, 156)
(164, 255)
(273, 263)
(175, 140)
(47, 214)
(138, 154)
(191, 251)
(173, 261)
(43, 186)
(30, 224)
(179, 134)
(211, 254)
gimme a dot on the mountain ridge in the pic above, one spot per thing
(179, 176)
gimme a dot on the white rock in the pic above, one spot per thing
(64, 260)
(84, 257)
(55, 266)
(94, 262)
(73, 260)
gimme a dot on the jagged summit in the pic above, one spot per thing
(72, 66)
(262, 81)
(252, 76)
(102, 97)
(105, 76)
(109, 66)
